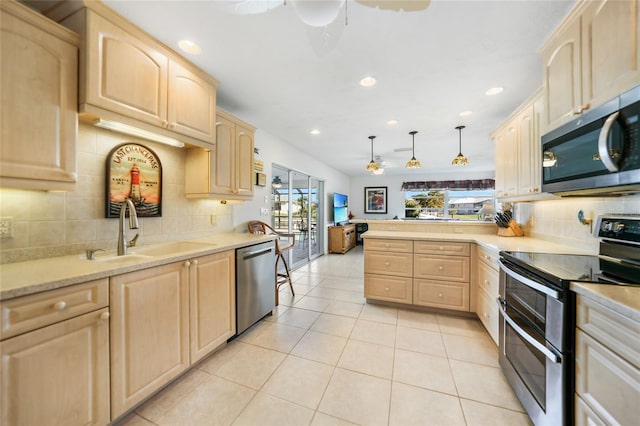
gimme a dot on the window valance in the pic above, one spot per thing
(449, 184)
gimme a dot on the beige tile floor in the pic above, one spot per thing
(326, 357)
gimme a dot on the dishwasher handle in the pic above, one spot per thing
(256, 253)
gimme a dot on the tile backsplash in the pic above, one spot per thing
(47, 224)
(557, 220)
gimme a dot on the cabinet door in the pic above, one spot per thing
(149, 332)
(562, 76)
(212, 302)
(125, 75)
(244, 161)
(610, 49)
(223, 174)
(38, 81)
(58, 375)
(192, 104)
(527, 164)
(506, 160)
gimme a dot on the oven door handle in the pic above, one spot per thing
(529, 282)
(526, 336)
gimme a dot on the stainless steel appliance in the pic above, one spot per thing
(537, 314)
(597, 153)
(255, 284)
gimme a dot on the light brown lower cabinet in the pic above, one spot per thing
(164, 319)
(58, 375)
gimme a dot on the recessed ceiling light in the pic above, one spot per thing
(368, 81)
(465, 113)
(189, 47)
(392, 122)
(494, 91)
(315, 132)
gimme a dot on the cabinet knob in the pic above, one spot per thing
(486, 315)
(59, 306)
(195, 261)
(386, 246)
(487, 257)
(105, 316)
(440, 268)
(386, 289)
(486, 282)
(187, 263)
(386, 263)
(165, 123)
(440, 295)
(172, 125)
(441, 248)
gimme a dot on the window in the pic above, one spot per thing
(449, 204)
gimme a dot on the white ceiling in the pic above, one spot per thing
(430, 65)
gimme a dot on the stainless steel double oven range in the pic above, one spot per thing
(537, 314)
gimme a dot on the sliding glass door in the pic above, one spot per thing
(297, 208)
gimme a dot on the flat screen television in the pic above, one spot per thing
(340, 209)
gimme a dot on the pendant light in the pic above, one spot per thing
(460, 160)
(413, 163)
(372, 166)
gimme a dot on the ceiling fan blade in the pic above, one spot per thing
(397, 5)
(247, 7)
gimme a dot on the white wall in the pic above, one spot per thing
(48, 224)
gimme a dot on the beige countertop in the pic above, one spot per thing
(622, 299)
(22, 278)
(491, 241)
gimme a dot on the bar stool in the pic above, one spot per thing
(282, 245)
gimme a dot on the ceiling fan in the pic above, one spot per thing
(316, 13)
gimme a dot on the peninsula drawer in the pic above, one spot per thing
(449, 248)
(448, 268)
(27, 313)
(387, 263)
(447, 295)
(393, 289)
(489, 257)
(613, 330)
(400, 246)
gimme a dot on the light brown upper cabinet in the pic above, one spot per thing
(38, 69)
(128, 76)
(226, 170)
(592, 57)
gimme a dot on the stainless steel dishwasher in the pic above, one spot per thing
(255, 283)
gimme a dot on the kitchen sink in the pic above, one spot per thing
(172, 248)
(122, 259)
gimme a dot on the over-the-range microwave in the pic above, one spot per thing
(597, 153)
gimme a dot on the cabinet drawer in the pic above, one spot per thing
(447, 295)
(488, 280)
(442, 248)
(450, 268)
(487, 311)
(489, 257)
(608, 384)
(388, 264)
(382, 287)
(618, 333)
(28, 313)
(401, 246)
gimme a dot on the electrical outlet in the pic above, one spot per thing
(264, 211)
(6, 227)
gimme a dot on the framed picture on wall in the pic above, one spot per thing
(375, 199)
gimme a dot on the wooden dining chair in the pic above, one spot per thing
(284, 242)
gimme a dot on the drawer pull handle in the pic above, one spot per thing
(59, 306)
(105, 316)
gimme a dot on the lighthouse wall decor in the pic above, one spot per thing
(134, 171)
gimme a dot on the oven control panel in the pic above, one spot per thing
(623, 228)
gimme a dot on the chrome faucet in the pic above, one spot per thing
(133, 224)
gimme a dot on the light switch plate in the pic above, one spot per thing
(6, 227)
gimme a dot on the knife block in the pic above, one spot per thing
(513, 230)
